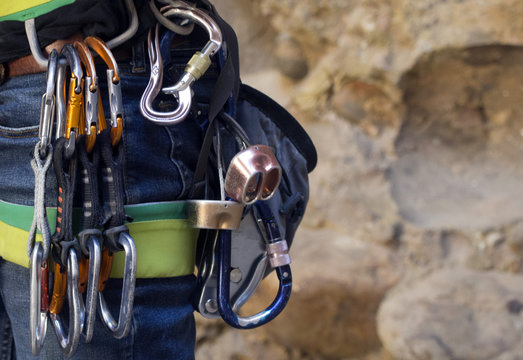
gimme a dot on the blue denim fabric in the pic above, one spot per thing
(157, 167)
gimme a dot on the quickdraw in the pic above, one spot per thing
(65, 245)
(38, 253)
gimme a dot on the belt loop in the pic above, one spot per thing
(138, 61)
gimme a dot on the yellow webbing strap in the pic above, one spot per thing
(165, 245)
(21, 10)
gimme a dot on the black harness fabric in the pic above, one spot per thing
(65, 169)
(112, 179)
(105, 19)
(89, 164)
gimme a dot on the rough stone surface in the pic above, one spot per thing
(455, 314)
(415, 109)
(338, 283)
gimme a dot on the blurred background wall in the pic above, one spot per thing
(412, 244)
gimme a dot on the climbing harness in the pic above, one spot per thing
(244, 201)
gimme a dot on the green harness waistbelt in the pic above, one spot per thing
(165, 244)
(22, 10)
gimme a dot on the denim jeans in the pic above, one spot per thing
(158, 167)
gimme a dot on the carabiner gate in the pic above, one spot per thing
(48, 105)
(91, 94)
(201, 60)
(39, 299)
(90, 245)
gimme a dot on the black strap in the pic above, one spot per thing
(226, 87)
(112, 179)
(65, 169)
(113, 190)
(89, 164)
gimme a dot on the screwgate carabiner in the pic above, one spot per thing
(113, 85)
(279, 259)
(39, 299)
(184, 97)
(195, 68)
(201, 60)
(121, 329)
(68, 343)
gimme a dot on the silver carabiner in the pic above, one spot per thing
(121, 329)
(184, 97)
(201, 60)
(90, 244)
(48, 105)
(38, 310)
(69, 343)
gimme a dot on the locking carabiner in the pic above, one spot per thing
(153, 88)
(120, 237)
(195, 68)
(91, 93)
(201, 60)
(279, 259)
(114, 87)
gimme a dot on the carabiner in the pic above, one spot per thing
(91, 93)
(73, 113)
(201, 60)
(153, 88)
(279, 259)
(90, 244)
(48, 105)
(39, 299)
(113, 85)
(121, 329)
(67, 283)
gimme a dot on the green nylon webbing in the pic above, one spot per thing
(166, 245)
(22, 10)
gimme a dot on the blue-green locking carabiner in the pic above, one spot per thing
(277, 253)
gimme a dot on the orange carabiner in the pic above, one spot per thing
(113, 85)
(59, 290)
(74, 119)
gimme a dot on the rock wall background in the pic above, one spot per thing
(412, 245)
